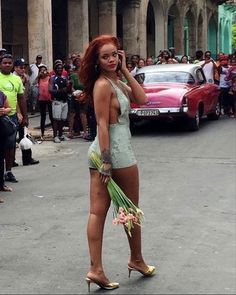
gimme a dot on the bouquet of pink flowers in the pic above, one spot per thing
(125, 211)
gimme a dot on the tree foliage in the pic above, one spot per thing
(234, 36)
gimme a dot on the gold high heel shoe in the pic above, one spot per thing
(149, 272)
(109, 286)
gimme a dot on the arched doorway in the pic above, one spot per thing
(221, 39)
(189, 34)
(150, 26)
(212, 37)
(15, 27)
(174, 30)
(93, 19)
(200, 32)
(226, 35)
(119, 20)
(59, 29)
(171, 39)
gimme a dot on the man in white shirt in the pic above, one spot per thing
(208, 66)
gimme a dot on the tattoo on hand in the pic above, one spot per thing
(106, 157)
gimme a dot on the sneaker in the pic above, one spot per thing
(10, 177)
(57, 139)
(65, 138)
(31, 162)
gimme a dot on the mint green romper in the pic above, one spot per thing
(121, 151)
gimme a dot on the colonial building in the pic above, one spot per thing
(227, 17)
(55, 28)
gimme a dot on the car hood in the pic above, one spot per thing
(165, 95)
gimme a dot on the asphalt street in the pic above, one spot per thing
(187, 188)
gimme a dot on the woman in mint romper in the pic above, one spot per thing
(111, 99)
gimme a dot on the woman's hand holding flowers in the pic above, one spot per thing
(105, 172)
(106, 167)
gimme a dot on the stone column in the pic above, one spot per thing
(142, 31)
(179, 35)
(206, 13)
(78, 31)
(107, 17)
(40, 30)
(131, 39)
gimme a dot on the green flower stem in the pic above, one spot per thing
(118, 197)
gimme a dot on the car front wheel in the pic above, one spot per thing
(193, 123)
(216, 114)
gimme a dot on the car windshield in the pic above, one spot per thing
(176, 77)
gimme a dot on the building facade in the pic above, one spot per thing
(227, 17)
(56, 28)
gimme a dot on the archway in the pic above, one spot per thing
(150, 25)
(200, 32)
(93, 19)
(189, 34)
(175, 31)
(15, 27)
(226, 39)
(59, 29)
(212, 37)
(221, 42)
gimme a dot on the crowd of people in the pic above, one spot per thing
(59, 93)
(27, 88)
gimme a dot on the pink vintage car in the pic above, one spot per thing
(176, 91)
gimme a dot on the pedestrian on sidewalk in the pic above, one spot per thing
(44, 97)
(12, 86)
(59, 88)
(19, 70)
(33, 73)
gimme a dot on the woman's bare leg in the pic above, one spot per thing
(99, 205)
(128, 180)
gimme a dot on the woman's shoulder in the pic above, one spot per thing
(102, 82)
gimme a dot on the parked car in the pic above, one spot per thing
(176, 91)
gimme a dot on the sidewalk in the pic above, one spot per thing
(34, 127)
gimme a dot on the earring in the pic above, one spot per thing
(97, 69)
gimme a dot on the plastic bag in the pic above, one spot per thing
(25, 142)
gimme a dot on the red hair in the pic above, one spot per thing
(88, 74)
